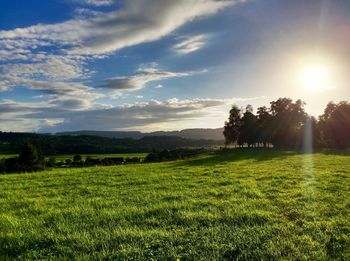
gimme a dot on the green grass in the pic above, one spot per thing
(246, 205)
(5, 156)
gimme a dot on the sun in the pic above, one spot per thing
(315, 77)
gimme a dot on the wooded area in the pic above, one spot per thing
(285, 123)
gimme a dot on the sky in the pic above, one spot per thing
(150, 65)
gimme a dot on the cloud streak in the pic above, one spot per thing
(141, 114)
(190, 44)
(137, 22)
(95, 2)
(144, 75)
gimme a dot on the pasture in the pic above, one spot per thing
(248, 205)
(5, 156)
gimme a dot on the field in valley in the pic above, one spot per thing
(250, 205)
(99, 156)
(5, 156)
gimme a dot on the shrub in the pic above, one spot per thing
(51, 162)
(29, 160)
(133, 160)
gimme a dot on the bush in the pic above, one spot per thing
(68, 161)
(167, 155)
(77, 158)
(51, 162)
(92, 162)
(29, 155)
(133, 160)
(29, 160)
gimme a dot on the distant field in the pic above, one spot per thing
(263, 205)
(64, 157)
(123, 155)
(5, 156)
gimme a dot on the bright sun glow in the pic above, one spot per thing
(316, 78)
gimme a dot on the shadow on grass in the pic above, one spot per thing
(237, 154)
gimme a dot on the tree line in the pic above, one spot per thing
(31, 160)
(284, 123)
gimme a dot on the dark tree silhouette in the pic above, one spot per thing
(231, 129)
(288, 119)
(248, 128)
(28, 160)
(264, 126)
(335, 125)
(77, 158)
(29, 155)
(281, 125)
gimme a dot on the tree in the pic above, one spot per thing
(264, 125)
(335, 125)
(77, 158)
(29, 155)
(288, 117)
(28, 160)
(51, 162)
(231, 129)
(248, 127)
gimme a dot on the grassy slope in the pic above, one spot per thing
(246, 205)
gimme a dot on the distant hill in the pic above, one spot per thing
(10, 142)
(194, 134)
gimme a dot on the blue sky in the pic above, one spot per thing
(165, 65)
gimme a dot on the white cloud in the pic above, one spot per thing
(54, 89)
(138, 22)
(53, 67)
(95, 2)
(142, 114)
(144, 74)
(190, 44)
(86, 12)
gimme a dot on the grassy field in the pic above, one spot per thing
(263, 205)
(100, 156)
(5, 156)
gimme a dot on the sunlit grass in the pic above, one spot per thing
(247, 205)
(5, 156)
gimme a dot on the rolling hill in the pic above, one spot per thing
(194, 134)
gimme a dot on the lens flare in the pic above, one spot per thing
(308, 167)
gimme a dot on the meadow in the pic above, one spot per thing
(5, 156)
(247, 205)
